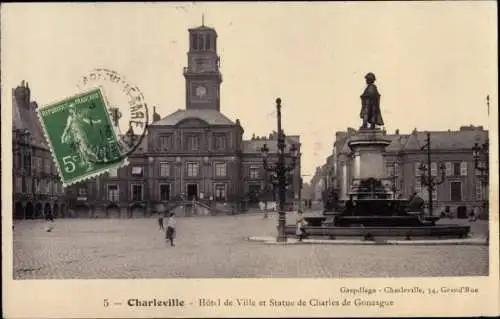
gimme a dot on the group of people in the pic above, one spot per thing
(170, 232)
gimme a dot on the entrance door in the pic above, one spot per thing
(192, 191)
(164, 192)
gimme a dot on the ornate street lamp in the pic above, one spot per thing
(426, 177)
(394, 179)
(281, 170)
(480, 153)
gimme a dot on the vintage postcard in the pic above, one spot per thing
(198, 159)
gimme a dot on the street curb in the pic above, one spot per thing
(439, 242)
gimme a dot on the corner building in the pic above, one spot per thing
(195, 153)
(36, 187)
(463, 187)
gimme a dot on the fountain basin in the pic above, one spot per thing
(436, 231)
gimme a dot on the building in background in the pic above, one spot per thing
(37, 189)
(462, 189)
(195, 153)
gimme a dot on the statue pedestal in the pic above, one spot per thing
(368, 146)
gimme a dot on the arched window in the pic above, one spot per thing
(194, 45)
(200, 42)
(208, 43)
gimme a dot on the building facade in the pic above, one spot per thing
(37, 190)
(462, 189)
(195, 153)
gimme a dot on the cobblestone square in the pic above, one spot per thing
(217, 247)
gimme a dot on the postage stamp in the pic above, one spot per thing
(81, 136)
(126, 106)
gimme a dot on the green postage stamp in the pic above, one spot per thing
(81, 136)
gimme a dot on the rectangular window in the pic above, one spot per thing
(137, 194)
(220, 169)
(137, 171)
(456, 191)
(28, 184)
(37, 186)
(463, 168)
(113, 173)
(164, 192)
(27, 163)
(220, 192)
(46, 186)
(434, 169)
(19, 184)
(18, 161)
(456, 169)
(479, 191)
(47, 163)
(193, 169)
(165, 142)
(193, 142)
(254, 172)
(220, 142)
(417, 169)
(390, 169)
(449, 169)
(164, 169)
(434, 195)
(82, 191)
(113, 193)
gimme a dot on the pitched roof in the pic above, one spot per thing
(445, 140)
(398, 141)
(25, 118)
(449, 140)
(212, 117)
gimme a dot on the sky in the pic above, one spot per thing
(435, 62)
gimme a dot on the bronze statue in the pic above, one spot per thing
(370, 104)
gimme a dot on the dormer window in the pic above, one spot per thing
(165, 142)
(193, 142)
(220, 142)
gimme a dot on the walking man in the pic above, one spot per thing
(170, 234)
(160, 221)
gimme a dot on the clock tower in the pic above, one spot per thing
(203, 78)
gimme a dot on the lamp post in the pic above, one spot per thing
(426, 177)
(394, 179)
(178, 161)
(151, 197)
(480, 153)
(280, 168)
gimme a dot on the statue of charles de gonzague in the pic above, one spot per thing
(370, 104)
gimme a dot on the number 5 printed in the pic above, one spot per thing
(69, 165)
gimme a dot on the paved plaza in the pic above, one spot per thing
(218, 247)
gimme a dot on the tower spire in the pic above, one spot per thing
(202, 19)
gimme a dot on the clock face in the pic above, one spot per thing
(201, 91)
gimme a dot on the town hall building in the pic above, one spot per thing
(195, 153)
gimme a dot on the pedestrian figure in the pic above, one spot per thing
(170, 234)
(50, 222)
(472, 215)
(160, 221)
(301, 224)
